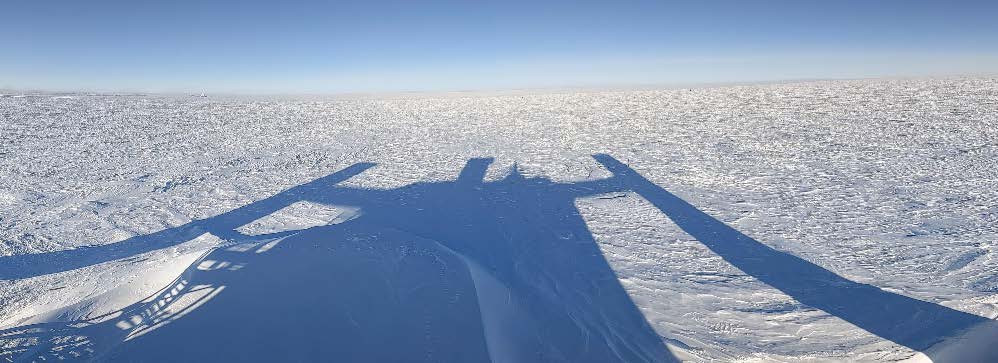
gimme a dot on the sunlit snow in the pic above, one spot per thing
(814, 221)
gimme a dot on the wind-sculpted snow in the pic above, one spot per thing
(838, 220)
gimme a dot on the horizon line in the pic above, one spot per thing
(607, 87)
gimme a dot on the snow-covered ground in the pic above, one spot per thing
(817, 221)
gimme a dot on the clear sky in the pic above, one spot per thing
(389, 45)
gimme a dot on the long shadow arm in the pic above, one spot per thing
(906, 321)
(26, 266)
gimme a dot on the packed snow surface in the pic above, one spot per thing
(815, 221)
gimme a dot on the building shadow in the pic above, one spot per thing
(458, 271)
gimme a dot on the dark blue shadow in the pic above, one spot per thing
(906, 321)
(432, 254)
(26, 266)
(509, 265)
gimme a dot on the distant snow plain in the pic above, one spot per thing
(643, 225)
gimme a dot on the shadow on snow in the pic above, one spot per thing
(465, 270)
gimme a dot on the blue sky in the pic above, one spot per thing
(376, 45)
